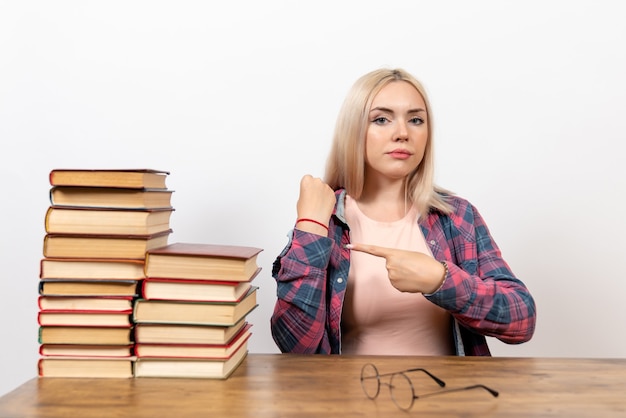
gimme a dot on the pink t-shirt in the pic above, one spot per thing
(377, 318)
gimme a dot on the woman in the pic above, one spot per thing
(381, 261)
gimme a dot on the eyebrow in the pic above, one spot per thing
(385, 109)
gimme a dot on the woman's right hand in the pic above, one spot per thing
(316, 202)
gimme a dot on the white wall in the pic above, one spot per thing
(238, 100)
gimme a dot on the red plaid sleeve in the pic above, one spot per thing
(299, 320)
(480, 291)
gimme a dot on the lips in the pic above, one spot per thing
(400, 154)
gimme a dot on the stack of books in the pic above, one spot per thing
(98, 228)
(191, 316)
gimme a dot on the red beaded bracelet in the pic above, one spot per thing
(312, 220)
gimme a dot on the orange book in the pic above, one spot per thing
(91, 268)
(124, 178)
(108, 197)
(85, 335)
(75, 318)
(56, 287)
(196, 261)
(86, 367)
(102, 246)
(106, 221)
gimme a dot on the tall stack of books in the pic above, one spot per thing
(98, 228)
(191, 317)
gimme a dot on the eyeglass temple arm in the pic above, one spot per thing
(493, 392)
(440, 382)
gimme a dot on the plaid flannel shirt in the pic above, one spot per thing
(480, 291)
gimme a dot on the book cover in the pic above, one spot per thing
(91, 268)
(198, 313)
(106, 221)
(85, 318)
(190, 368)
(85, 303)
(94, 197)
(213, 351)
(102, 246)
(62, 287)
(193, 290)
(85, 367)
(197, 261)
(186, 334)
(125, 178)
(85, 335)
(77, 350)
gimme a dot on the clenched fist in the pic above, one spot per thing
(316, 203)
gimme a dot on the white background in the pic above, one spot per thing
(238, 100)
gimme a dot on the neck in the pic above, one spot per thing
(385, 202)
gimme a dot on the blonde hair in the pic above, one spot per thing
(345, 166)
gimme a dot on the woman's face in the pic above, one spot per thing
(397, 132)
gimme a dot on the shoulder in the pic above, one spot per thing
(459, 205)
(461, 220)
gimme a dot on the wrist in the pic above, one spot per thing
(443, 276)
(312, 225)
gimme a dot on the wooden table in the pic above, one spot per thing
(287, 385)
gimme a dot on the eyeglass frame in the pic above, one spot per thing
(402, 373)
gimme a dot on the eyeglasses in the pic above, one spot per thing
(401, 387)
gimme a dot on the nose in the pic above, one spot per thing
(402, 133)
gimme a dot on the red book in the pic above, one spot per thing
(223, 351)
(205, 368)
(194, 290)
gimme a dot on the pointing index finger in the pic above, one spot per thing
(369, 249)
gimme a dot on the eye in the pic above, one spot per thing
(381, 120)
(416, 121)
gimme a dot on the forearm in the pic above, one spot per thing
(480, 289)
(497, 305)
(294, 331)
(299, 318)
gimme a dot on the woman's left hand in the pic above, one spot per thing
(409, 271)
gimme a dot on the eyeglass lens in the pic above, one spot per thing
(401, 390)
(370, 380)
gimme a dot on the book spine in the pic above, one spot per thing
(40, 367)
(47, 219)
